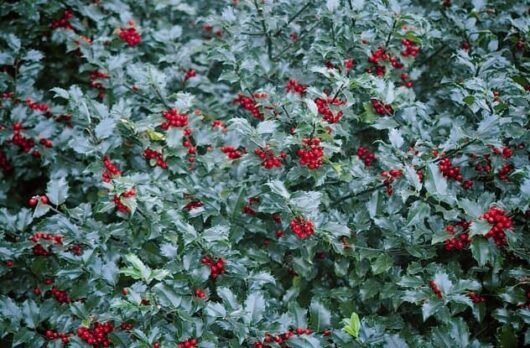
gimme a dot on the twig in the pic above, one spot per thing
(302, 36)
(394, 25)
(432, 55)
(292, 18)
(159, 95)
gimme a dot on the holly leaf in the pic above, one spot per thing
(57, 191)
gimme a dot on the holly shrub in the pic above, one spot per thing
(259, 173)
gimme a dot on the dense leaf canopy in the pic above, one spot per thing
(259, 173)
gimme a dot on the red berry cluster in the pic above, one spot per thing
(189, 74)
(269, 160)
(382, 108)
(36, 106)
(174, 119)
(5, 165)
(366, 156)
(302, 227)
(519, 45)
(277, 218)
(279, 233)
(500, 221)
(247, 209)
(381, 55)
(457, 243)
(76, 249)
(56, 239)
(476, 298)
(295, 87)
(130, 35)
(504, 171)
(111, 170)
(450, 171)
(460, 241)
(54, 335)
(39, 250)
(218, 124)
(98, 335)
(25, 144)
(35, 199)
(9, 263)
(64, 21)
(118, 202)
(323, 108)
(199, 293)
(126, 326)
(193, 205)
(216, 267)
(190, 343)
(152, 154)
(436, 289)
(389, 177)
(46, 142)
(7, 95)
(483, 167)
(60, 296)
(94, 76)
(411, 50)
(311, 154)
(231, 152)
(282, 338)
(250, 105)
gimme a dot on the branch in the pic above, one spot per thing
(268, 39)
(377, 187)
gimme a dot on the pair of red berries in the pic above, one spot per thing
(35, 199)
(200, 293)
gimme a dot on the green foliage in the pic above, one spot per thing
(124, 232)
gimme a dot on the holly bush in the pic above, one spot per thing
(258, 173)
